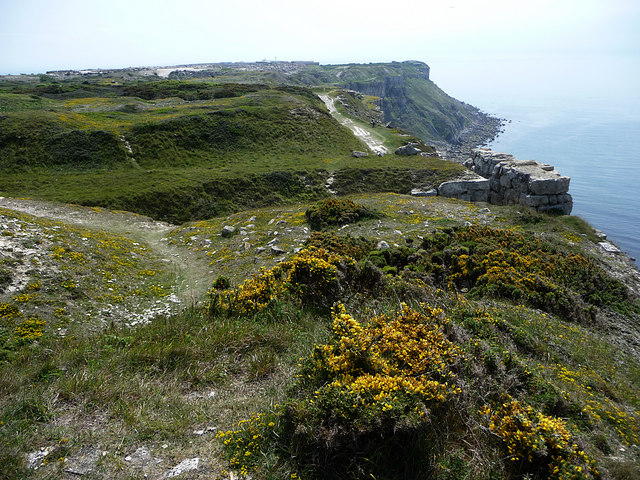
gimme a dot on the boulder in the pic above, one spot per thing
(227, 231)
(416, 192)
(408, 149)
(358, 154)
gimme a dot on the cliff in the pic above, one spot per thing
(405, 93)
(409, 100)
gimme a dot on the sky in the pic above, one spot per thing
(41, 35)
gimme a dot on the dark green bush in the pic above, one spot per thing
(332, 211)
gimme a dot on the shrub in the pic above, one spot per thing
(371, 393)
(5, 278)
(29, 330)
(356, 248)
(332, 211)
(538, 444)
(313, 276)
(221, 283)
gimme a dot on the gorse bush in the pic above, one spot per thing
(341, 245)
(500, 263)
(372, 392)
(333, 211)
(538, 444)
(366, 399)
(313, 276)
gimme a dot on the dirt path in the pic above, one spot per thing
(192, 272)
(368, 137)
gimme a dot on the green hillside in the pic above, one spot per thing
(408, 98)
(303, 317)
(175, 150)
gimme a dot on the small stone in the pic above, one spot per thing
(276, 250)
(198, 432)
(416, 192)
(183, 467)
(35, 459)
(227, 231)
(601, 235)
(609, 247)
(382, 245)
(85, 462)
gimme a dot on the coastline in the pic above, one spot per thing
(484, 130)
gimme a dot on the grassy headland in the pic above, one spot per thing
(374, 335)
(186, 150)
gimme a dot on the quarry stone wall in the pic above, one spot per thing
(503, 179)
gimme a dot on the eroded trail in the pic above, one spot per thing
(375, 144)
(192, 272)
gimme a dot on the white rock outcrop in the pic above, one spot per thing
(505, 180)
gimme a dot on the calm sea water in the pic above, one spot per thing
(601, 155)
(586, 124)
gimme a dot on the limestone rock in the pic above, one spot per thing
(227, 231)
(358, 154)
(276, 250)
(609, 247)
(141, 458)
(416, 192)
(525, 182)
(83, 463)
(184, 466)
(408, 149)
(382, 245)
(35, 459)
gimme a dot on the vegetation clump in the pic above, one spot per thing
(366, 399)
(333, 211)
(341, 245)
(314, 276)
(539, 444)
(498, 263)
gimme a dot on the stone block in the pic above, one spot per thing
(549, 186)
(534, 200)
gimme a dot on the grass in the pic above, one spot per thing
(477, 343)
(177, 157)
(122, 388)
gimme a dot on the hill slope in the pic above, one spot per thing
(176, 150)
(349, 330)
(536, 361)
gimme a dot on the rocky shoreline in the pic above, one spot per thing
(480, 133)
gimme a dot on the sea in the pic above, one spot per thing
(580, 114)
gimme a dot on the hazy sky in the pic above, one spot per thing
(40, 35)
